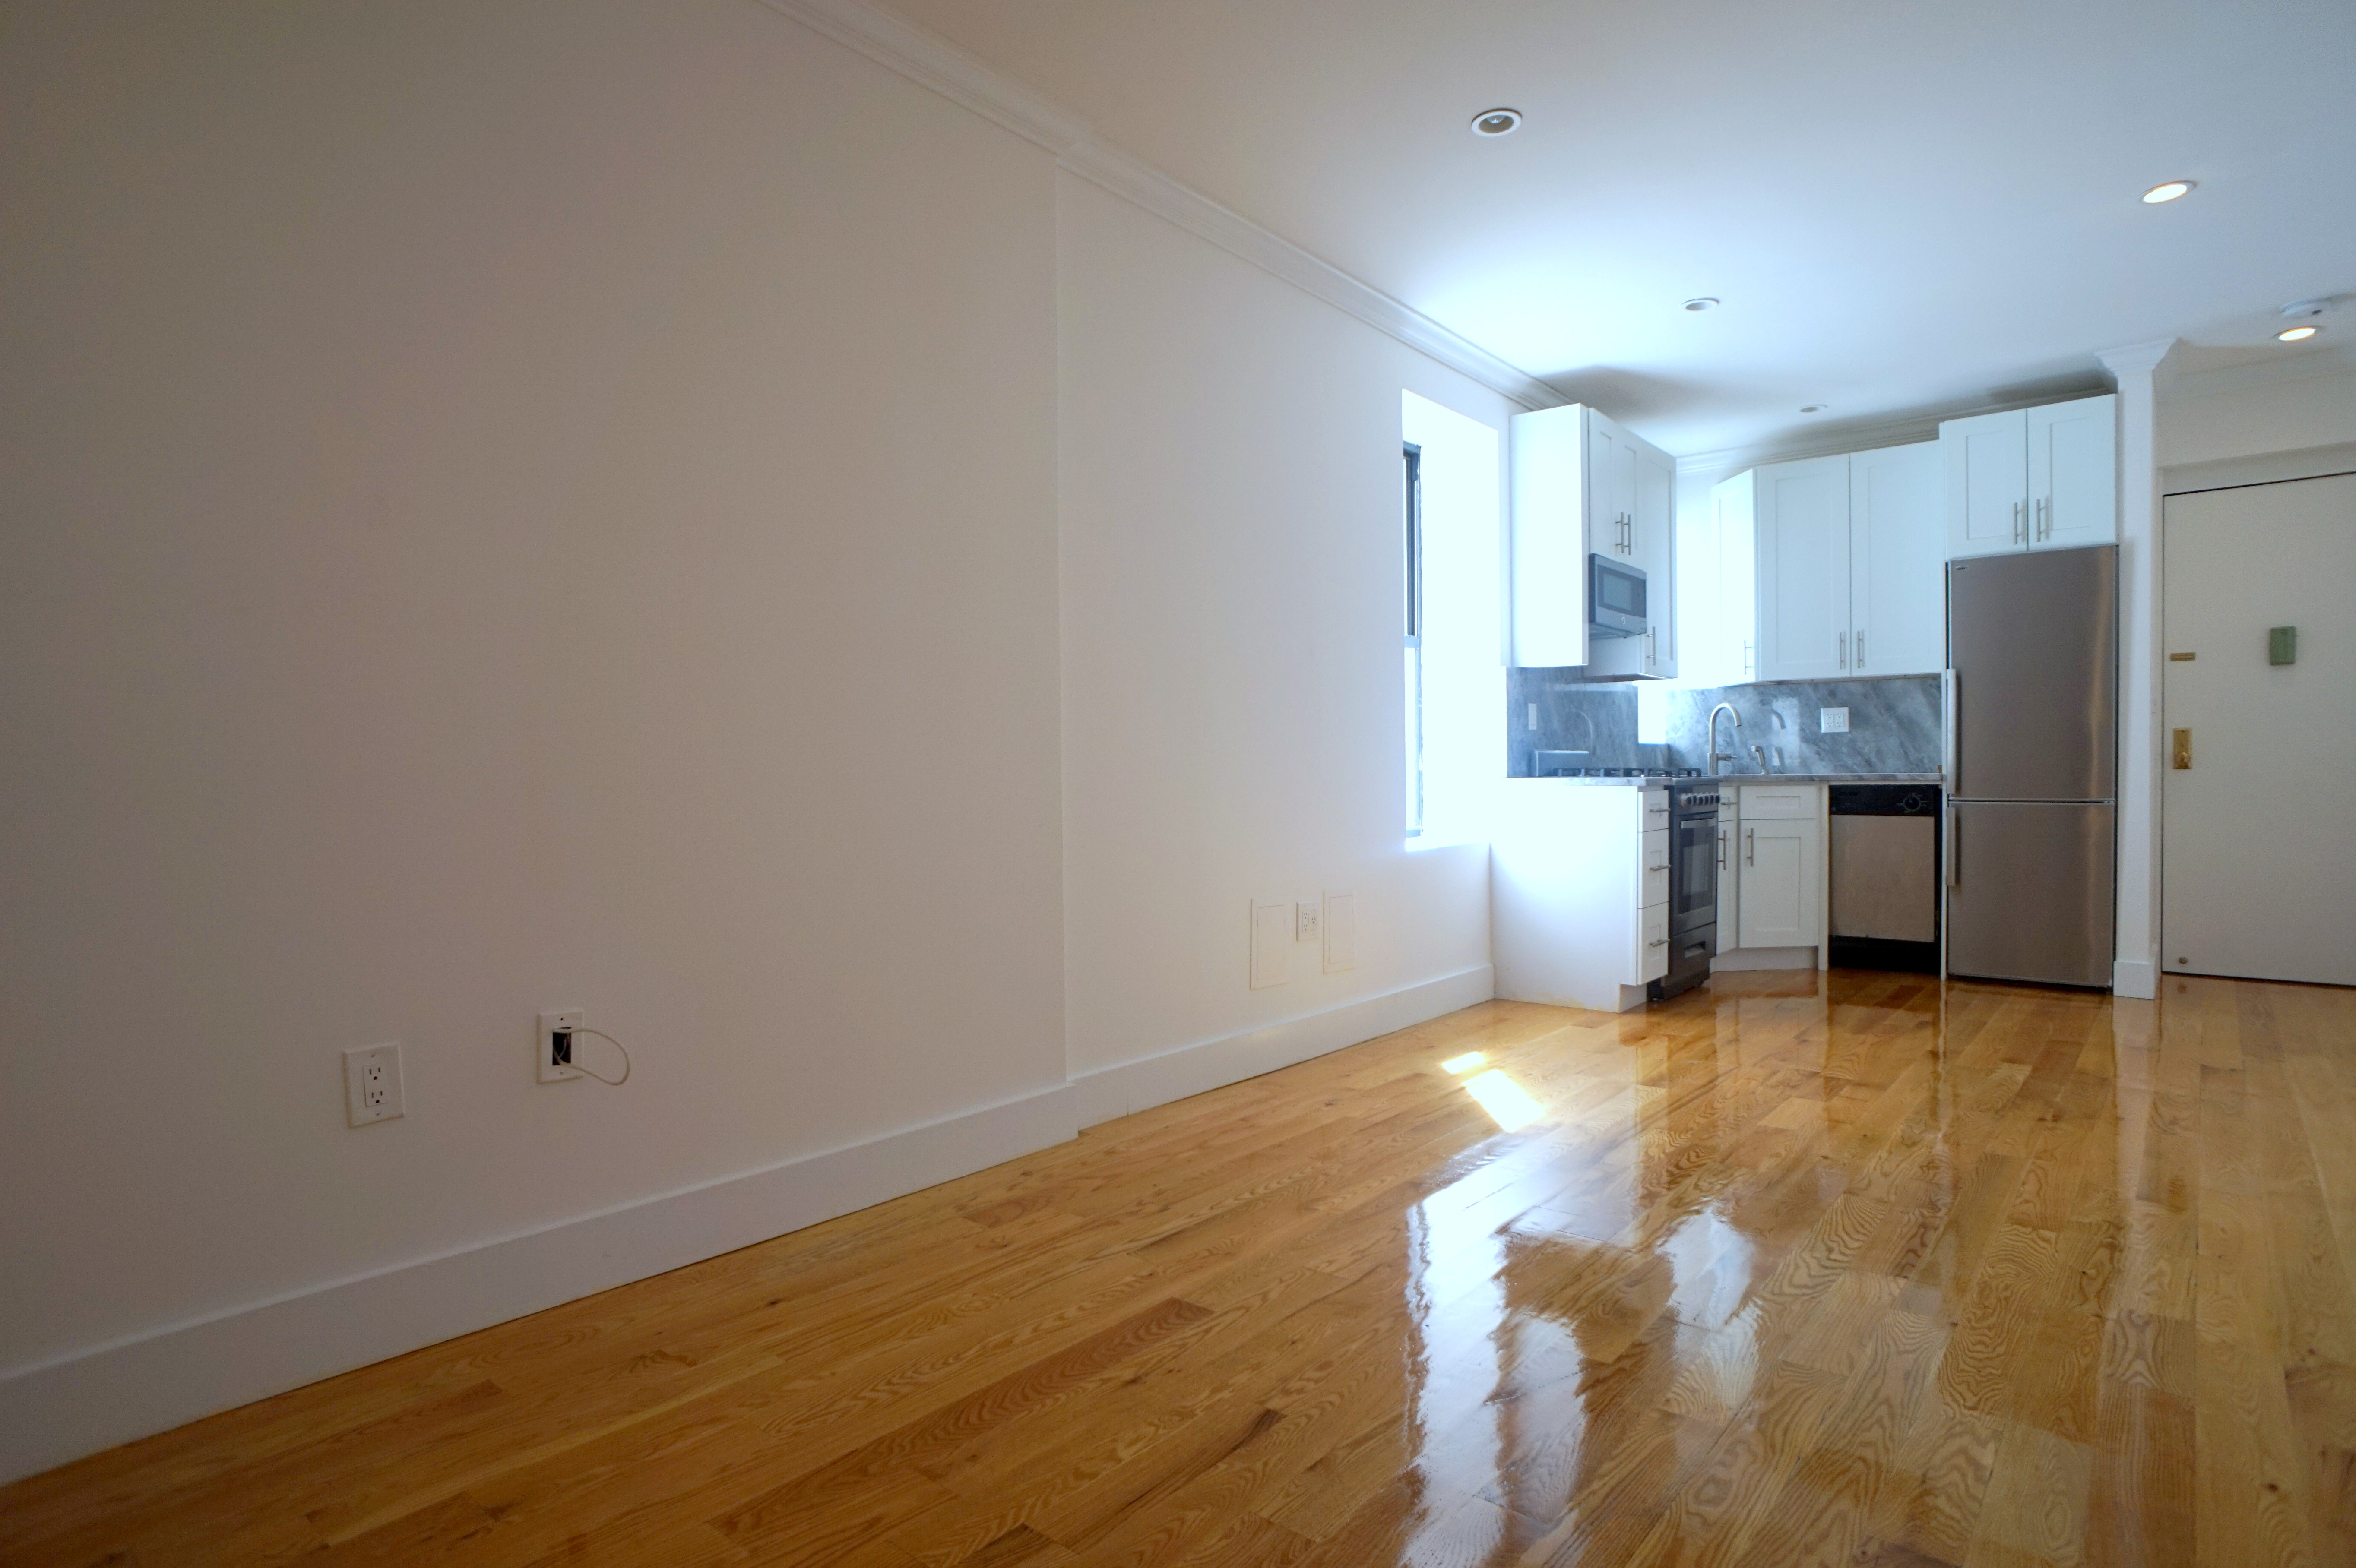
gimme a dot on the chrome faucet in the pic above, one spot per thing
(1717, 756)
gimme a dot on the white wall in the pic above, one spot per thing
(1232, 709)
(508, 506)
(644, 509)
(2291, 405)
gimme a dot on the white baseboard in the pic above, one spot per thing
(2134, 977)
(78, 1404)
(1111, 1092)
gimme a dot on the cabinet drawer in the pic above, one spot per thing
(1778, 802)
(1655, 814)
(1653, 959)
(1653, 866)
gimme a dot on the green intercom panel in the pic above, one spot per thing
(2282, 645)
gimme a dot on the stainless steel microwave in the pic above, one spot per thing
(1615, 598)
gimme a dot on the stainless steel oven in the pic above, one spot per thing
(1615, 598)
(1693, 887)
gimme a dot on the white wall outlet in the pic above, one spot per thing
(1308, 924)
(1832, 720)
(372, 1083)
(549, 1055)
(1271, 945)
(1341, 932)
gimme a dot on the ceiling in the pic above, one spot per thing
(1905, 206)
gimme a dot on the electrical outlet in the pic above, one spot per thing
(551, 1045)
(372, 1083)
(1308, 921)
(1832, 720)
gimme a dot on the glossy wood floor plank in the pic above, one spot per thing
(1850, 1268)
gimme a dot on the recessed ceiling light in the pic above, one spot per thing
(2297, 334)
(2168, 192)
(1496, 122)
(1814, 407)
(1702, 301)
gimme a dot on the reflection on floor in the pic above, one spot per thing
(1777, 1274)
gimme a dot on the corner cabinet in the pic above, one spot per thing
(1582, 487)
(2041, 478)
(1843, 566)
(1578, 892)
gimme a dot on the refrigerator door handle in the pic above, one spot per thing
(1947, 737)
(1954, 837)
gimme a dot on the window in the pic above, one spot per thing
(1411, 511)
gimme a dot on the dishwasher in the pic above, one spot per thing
(1885, 877)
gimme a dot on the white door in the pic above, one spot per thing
(1802, 569)
(2074, 466)
(2258, 867)
(1778, 896)
(1610, 489)
(1987, 483)
(1898, 561)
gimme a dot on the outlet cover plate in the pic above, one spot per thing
(542, 1060)
(372, 1083)
(1309, 922)
(1832, 720)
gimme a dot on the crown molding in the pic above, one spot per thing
(2296, 365)
(1137, 181)
(932, 61)
(935, 63)
(1865, 435)
(2136, 358)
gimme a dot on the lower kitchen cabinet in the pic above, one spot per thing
(1780, 873)
(1772, 892)
(1578, 892)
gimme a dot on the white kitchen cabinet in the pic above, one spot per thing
(2073, 464)
(2041, 478)
(1841, 564)
(1781, 871)
(1577, 913)
(1583, 486)
(1651, 533)
(1802, 522)
(1897, 562)
(1728, 641)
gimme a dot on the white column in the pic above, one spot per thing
(2136, 968)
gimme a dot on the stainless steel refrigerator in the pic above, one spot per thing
(2032, 765)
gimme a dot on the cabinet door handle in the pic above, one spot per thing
(1751, 845)
(1860, 650)
(1721, 851)
(1746, 658)
(1844, 650)
(1662, 867)
(2019, 523)
(2045, 516)
(1662, 942)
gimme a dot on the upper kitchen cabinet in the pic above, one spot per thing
(2041, 478)
(1803, 569)
(1593, 560)
(1831, 567)
(1897, 562)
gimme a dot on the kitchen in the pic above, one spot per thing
(1861, 711)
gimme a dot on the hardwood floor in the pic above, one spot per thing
(1780, 1274)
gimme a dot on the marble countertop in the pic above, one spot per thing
(1743, 779)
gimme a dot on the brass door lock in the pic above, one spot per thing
(2183, 748)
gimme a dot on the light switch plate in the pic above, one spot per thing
(1832, 720)
(1341, 932)
(372, 1083)
(1308, 924)
(1271, 944)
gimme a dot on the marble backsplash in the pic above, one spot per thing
(1893, 724)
